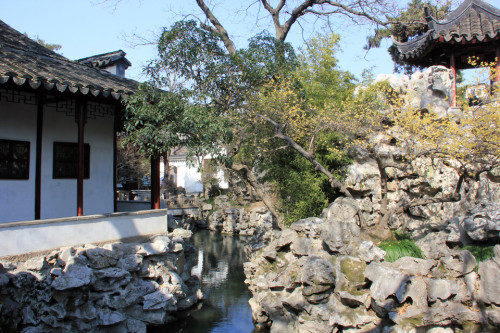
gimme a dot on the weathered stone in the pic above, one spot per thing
(56, 271)
(368, 252)
(355, 298)
(414, 266)
(342, 209)
(460, 263)
(270, 254)
(136, 326)
(29, 317)
(178, 247)
(287, 236)
(112, 278)
(85, 312)
(489, 286)
(101, 258)
(75, 275)
(309, 227)
(337, 234)
(157, 247)
(130, 262)
(353, 269)
(183, 233)
(4, 280)
(301, 246)
(441, 289)
(297, 301)
(433, 245)
(132, 293)
(160, 299)
(35, 264)
(317, 271)
(484, 223)
(107, 317)
(386, 281)
(440, 330)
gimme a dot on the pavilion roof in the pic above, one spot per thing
(24, 62)
(106, 59)
(473, 23)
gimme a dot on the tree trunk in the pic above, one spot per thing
(249, 177)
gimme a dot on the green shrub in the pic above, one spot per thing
(396, 249)
(481, 252)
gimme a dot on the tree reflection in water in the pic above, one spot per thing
(225, 307)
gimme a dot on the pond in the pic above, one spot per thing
(225, 307)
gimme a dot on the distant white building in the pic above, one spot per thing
(188, 175)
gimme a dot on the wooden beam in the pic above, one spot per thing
(81, 115)
(155, 182)
(38, 157)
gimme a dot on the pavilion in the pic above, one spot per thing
(58, 126)
(471, 30)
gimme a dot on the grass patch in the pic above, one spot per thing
(481, 252)
(396, 249)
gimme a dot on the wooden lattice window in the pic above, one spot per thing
(66, 160)
(14, 159)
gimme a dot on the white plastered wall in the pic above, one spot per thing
(17, 197)
(58, 197)
(188, 177)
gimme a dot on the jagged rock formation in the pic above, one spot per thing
(422, 177)
(243, 220)
(118, 287)
(320, 276)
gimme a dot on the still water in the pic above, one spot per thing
(225, 307)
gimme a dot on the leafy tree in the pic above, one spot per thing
(52, 47)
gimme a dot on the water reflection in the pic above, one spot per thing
(225, 307)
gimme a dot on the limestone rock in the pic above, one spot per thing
(74, 276)
(386, 281)
(160, 299)
(433, 245)
(101, 258)
(489, 291)
(108, 317)
(369, 252)
(337, 234)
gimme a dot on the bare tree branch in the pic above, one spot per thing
(220, 29)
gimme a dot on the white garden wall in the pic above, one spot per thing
(32, 236)
(17, 197)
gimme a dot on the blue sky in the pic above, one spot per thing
(90, 27)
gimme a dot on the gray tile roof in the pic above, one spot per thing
(24, 62)
(474, 21)
(106, 59)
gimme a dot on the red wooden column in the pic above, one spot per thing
(497, 66)
(115, 170)
(38, 157)
(454, 86)
(81, 117)
(155, 182)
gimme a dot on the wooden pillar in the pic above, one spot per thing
(38, 157)
(155, 182)
(115, 129)
(81, 117)
(454, 85)
(497, 67)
